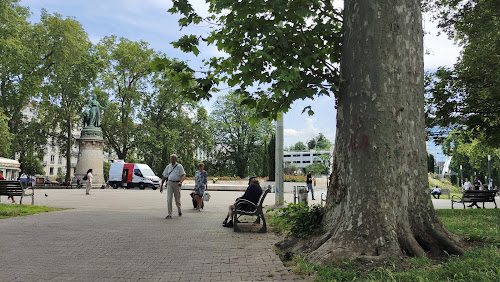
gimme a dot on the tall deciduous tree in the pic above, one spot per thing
(21, 68)
(5, 135)
(469, 93)
(380, 119)
(73, 65)
(168, 126)
(238, 142)
(125, 80)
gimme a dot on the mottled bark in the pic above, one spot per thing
(378, 204)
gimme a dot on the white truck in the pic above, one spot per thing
(127, 175)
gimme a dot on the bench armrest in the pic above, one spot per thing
(456, 198)
(243, 201)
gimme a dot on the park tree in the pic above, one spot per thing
(298, 147)
(21, 68)
(125, 80)
(471, 153)
(322, 143)
(430, 163)
(469, 93)
(5, 135)
(169, 125)
(238, 142)
(72, 67)
(380, 113)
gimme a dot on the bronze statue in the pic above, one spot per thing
(92, 115)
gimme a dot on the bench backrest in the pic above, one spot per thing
(479, 195)
(8, 187)
(263, 196)
(445, 191)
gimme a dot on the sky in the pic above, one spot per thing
(149, 20)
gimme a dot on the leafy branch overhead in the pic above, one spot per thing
(279, 51)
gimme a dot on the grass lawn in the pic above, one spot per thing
(8, 210)
(479, 227)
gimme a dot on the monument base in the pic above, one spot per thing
(90, 156)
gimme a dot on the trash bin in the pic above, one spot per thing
(302, 194)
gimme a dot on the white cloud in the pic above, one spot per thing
(290, 132)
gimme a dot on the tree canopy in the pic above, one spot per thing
(469, 93)
(280, 51)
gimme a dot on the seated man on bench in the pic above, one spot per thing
(253, 193)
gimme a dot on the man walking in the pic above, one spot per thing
(309, 183)
(174, 175)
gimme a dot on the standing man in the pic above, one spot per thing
(309, 183)
(174, 175)
(467, 185)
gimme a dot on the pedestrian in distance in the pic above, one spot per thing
(174, 175)
(200, 178)
(88, 181)
(467, 185)
(309, 183)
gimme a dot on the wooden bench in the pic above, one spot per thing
(445, 192)
(255, 210)
(471, 196)
(15, 188)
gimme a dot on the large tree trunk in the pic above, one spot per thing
(378, 205)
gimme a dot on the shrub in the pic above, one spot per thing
(294, 178)
(299, 220)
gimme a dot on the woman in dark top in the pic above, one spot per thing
(252, 194)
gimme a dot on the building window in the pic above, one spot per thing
(60, 160)
(287, 156)
(52, 159)
(296, 155)
(306, 155)
(51, 171)
(59, 170)
(306, 162)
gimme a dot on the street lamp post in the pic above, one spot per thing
(461, 177)
(490, 181)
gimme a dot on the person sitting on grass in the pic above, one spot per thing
(252, 194)
(436, 191)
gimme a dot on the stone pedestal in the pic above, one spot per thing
(90, 156)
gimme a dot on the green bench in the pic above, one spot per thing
(15, 188)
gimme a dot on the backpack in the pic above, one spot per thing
(85, 177)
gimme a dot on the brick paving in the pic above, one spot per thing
(122, 235)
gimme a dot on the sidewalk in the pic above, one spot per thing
(122, 235)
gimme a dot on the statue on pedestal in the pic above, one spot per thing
(91, 116)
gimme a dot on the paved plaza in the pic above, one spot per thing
(122, 235)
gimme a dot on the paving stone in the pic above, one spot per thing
(122, 235)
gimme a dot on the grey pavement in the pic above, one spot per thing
(122, 235)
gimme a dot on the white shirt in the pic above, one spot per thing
(467, 185)
(174, 172)
(89, 177)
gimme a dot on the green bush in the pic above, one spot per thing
(298, 220)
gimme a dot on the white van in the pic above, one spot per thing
(132, 175)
